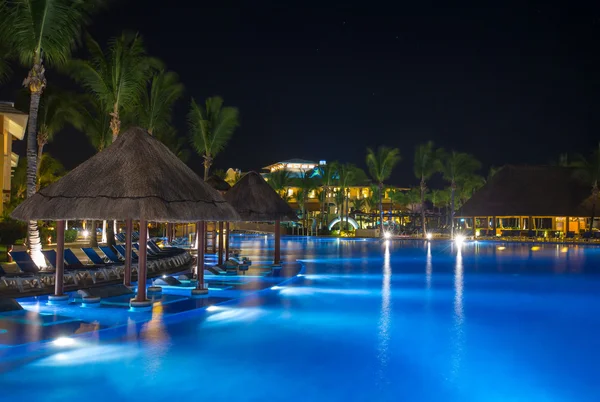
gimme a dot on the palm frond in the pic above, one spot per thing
(381, 163)
(157, 101)
(47, 29)
(211, 126)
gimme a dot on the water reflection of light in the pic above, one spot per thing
(310, 291)
(428, 266)
(235, 314)
(384, 316)
(87, 354)
(155, 331)
(458, 314)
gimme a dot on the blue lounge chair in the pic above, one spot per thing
(74, 262)
(18, 279)
(26, 264)
(93, 256)
(81, 270)
(110, 254)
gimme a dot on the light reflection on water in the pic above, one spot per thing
(459, 317)
(384, 317)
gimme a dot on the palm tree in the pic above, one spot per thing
(306, 182)
(589, 170)
(117, 77)
(211, 127)
(456, 169)
(426, 164)
(280, 181)
(50, 171)
(328, 173)
(56, 110)
(39, 32)
(5, 70)
(380, 166)
(156, 104)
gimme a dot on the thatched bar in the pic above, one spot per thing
(135, 178)
(529, 194)
(255, 201)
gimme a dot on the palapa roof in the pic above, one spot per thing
(256, 201)
(531, 191)
(218, 183)
(135, 177)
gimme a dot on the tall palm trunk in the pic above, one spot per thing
(36, 82)
(115, 122)
(42, 139)
(207, 165)
(595, 192)
(452, 190)
(347, 207)
(381, 209)
(423, 189)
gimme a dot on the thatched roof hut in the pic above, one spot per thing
(135, 177)
(531, 191)
(218, 183)
(256, 201)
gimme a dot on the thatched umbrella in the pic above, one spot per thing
(135, 178)
(255, 201)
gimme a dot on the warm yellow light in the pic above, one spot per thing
(564, 249)
(535, 248)
(501, 248)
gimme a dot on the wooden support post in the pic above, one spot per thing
(214, 237)
(200, 232)
(128, 232)
(226, 241)
(220, 259)
(60, 258)
(142, 268)
(494, 225)
(277, 256)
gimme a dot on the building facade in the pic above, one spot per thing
(13, 124)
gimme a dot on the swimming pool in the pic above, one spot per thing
(364, 321)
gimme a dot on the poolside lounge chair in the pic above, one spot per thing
(73, 262)
(19, 279)
(26, 264)
(94, 257)
(81, 271)
(110, 254)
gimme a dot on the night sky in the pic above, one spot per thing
(510, 82)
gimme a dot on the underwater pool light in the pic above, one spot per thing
(63, 341)
(212, 308)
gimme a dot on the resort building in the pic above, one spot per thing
(313, 205)
(296, 167)
(12, 124)
(551, 200)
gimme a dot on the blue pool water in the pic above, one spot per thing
(364, 321)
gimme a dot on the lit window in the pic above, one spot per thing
(290, 192)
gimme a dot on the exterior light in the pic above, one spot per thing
(387, 235)
(429, 236)
(459, 239)
(85, 234)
